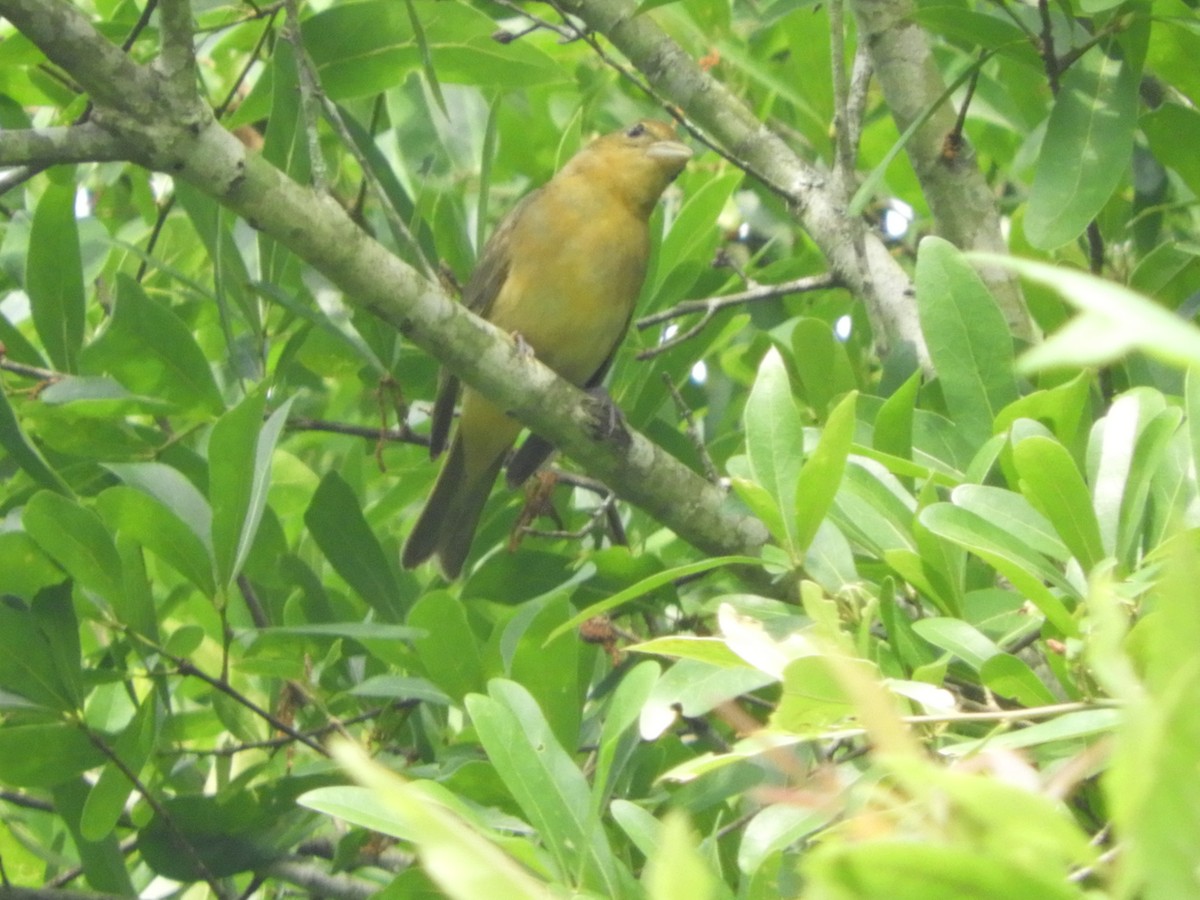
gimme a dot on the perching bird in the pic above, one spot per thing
(562, 271)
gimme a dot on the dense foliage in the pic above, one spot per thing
(964, 665)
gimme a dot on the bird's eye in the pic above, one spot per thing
(636, 131)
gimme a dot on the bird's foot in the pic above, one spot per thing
(608, 424)
(524, 348)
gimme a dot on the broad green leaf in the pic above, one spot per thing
(546, 783)
(1148, 458)
(549, 670)
(775, 441)
(1014, 513)
(1111, 459)
(1172, 130)
(1011, 677)
(821, 362)
(618, 738)
(170, 487)
(873, 508)
(449, 650)
(24, 568)
(958, 637)
(646, 585)
(676, 870)
(335, 521)
(821, 475)
(969, 341)
(1078, 727)
(77, 540)
(1151, 787)
(693, 232)
(45, 755)
(150, 350)
(910, 870)
(54, 276)
(239, 471)
(152, 524)
(35, 662)
(1052, 484)
(894, 422)
(1115, 321)
(711, 650)
(25, 453)
(1023, 566)
(364, 48)
(106, 799)
(103, 861)
(463, 862)
(774, 829)
(1086, 150)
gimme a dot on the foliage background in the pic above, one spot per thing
(966, 664)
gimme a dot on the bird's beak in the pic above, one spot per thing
(669, 150)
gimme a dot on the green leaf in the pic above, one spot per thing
(1015, 514)
(676, 870)
(821, 362)
(106, 799)
(1009, 676)
(547, 785)
(153, 525)
(909, 870)
(361, 49)
(1116, 320)
(150, 350)
(1086, 151)
(77, 540)
(1053, 484)
(1027, 569)
(548, 670)
(449, 650)
(463, 862)
(24, 453)
(239, 471)
(44, 755)
(335, 521)
(894, 422)
(618, 737)
(969, 341)
(35, 661)
(54, 276)
(646, 585)
(775, 441)
(821, 475)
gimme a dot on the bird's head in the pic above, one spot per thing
(639, 161)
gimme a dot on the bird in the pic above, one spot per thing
(561, 273)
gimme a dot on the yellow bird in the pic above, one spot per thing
(563, 271)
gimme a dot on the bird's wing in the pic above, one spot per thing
(491, 271)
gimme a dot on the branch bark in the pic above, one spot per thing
(963, 205)
(189, 144)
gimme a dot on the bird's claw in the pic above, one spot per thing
(607, 422)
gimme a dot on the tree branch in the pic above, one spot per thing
(963, 206)
(68, 144)
(191, 146)
(177, 60)
(872, 275)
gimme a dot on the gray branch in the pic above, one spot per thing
(50, 146)
(963, 205)
(177, 60)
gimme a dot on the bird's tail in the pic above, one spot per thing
(447, 524)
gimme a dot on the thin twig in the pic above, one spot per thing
(692, 430)
(310, 94)
(177, 836)
(843, 169)
(713, 305)
(401, 434)
(277, 742)
(35, 372)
